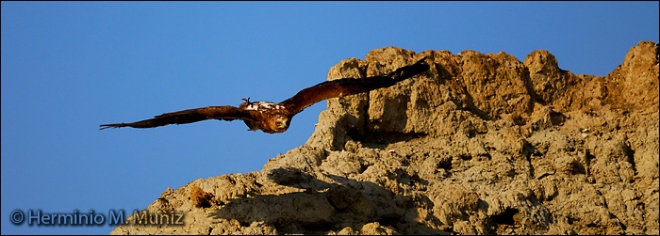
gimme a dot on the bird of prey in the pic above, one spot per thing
(272, 117)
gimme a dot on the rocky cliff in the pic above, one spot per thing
(480, 144)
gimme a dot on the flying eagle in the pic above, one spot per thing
(270, 117)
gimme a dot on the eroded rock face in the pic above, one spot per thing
(480, 144)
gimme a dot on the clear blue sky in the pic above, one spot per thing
(69, 66)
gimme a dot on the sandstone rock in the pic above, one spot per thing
(480, 144)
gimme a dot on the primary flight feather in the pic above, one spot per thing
(275, 118)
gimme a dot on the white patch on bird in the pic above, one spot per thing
(260, 106)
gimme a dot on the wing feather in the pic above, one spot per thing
(350, 86)
(188, 116)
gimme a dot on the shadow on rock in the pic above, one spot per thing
(342, 205)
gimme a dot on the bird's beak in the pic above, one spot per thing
(281, 126)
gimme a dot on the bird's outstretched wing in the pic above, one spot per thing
(350, 86)
(188, 116)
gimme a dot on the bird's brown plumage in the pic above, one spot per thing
(188, 116)
(275, 118)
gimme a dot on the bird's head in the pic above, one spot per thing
(279, 124)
